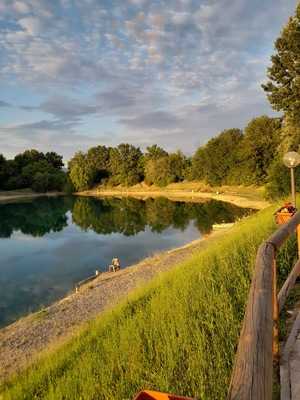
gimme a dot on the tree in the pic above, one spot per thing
(283, 87)
(98, 160)
(160, 172)
(125, 165)
(80, 172)
(27, 157)
(258, 149)
(279, 180)
(54, 159)
(216, 159)
(154, 152)
(178, 163)
(199, 164)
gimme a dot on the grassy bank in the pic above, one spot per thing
(177, 334)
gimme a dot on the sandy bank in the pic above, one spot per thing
(182, 195)
(23, 340)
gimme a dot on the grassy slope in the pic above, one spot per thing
(177, 334)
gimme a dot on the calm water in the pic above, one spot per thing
(49, 244)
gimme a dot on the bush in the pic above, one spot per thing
(279, 180)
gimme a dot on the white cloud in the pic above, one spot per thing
(32, 25)
(21, 7)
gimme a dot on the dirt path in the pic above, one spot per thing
(21, 341)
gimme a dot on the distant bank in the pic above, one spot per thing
(12, 195)
(249, 197)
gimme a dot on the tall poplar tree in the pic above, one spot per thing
(283, 87)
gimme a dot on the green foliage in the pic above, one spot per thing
(81, 173)
(125, 165)
(155, 152)
(98, 160)
(279, 180)
(32, 169)
(177, 335)
(259, 148)
(214, 161)
(166, 169)
(54, 159)
(283, 87)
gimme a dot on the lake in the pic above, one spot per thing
(47, 245)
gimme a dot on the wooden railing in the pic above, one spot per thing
(252, 377)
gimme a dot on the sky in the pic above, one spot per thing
(79, 73)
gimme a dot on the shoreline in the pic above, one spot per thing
(6, 197)
(180, 195)
(22, 341)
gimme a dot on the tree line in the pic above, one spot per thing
(234, 157)
(39, 171)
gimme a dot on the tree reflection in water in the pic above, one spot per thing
(127, 216)
(130, 216)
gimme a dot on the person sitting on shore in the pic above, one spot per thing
(115, 265)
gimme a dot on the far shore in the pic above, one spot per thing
(182, 195)
(247, 197)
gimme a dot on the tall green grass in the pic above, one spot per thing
(178, 334)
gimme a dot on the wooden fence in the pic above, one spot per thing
(252, 377)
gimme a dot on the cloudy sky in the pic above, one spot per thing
(76, 73)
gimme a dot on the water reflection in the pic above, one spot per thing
(49, 244)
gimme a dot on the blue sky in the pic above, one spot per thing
(77, 73)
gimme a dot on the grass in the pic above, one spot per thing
(178, 334)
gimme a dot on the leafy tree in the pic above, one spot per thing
(80, 172)
(155, 152)
(283, 87)
(215, 160)
(279, 180)
(40, 182)
(158, 172)
(28, 171)
(125, 165)
(258, 149)
(178, 163)
(98, 160)
(164, 170)
(28, 157)
(54, 159)
(199, 164)
(33, 169)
